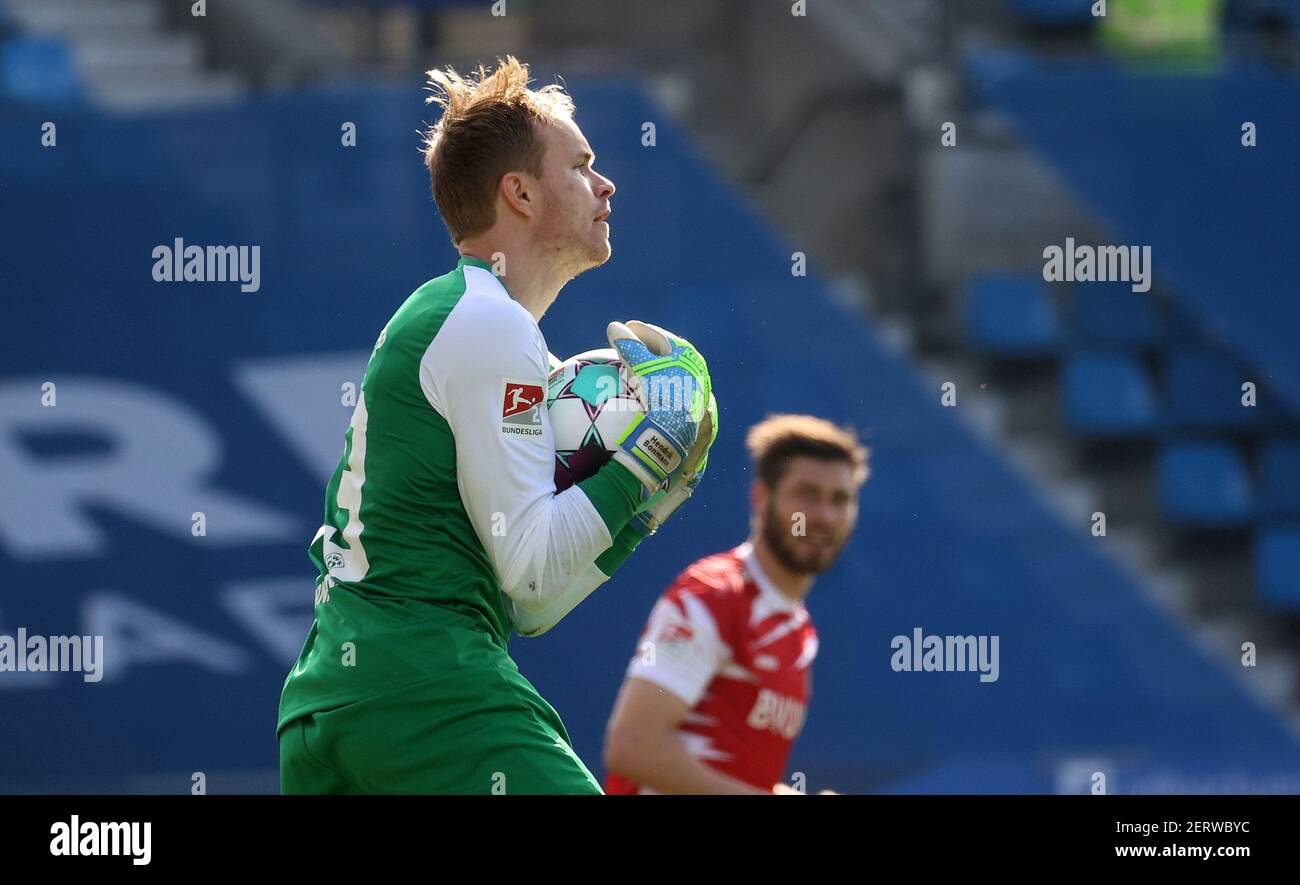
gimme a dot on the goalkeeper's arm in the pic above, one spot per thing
(533, 621)
(683, 450)
(485, 374)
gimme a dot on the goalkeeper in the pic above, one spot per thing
(443, 530)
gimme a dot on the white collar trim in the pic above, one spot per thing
(774, 597)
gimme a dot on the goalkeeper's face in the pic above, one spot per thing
(572, 229)
(807, 518)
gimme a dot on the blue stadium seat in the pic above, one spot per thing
(1279, 479)
(1254, 320)
(1053, 13)
(1204, 484)
(1106, 314)
(1108, 395)
(1277, 567)
(1202, 391)
(1011, 316)
(37, 69)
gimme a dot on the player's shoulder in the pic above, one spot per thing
(719, 581)
(720, 573)
(467, 319)
(471, 297)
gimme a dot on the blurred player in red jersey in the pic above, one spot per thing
(718, 689)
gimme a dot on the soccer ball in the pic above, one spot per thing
(590, 407)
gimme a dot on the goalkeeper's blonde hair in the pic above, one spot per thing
(489, 126)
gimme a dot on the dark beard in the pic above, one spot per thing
(780, 542)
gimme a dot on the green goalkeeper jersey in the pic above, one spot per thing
(441, 519)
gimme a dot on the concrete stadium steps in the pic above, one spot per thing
(76, 18)
(125, 56)
(148, 94)
(106, 54)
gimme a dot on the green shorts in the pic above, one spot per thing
(486, 732)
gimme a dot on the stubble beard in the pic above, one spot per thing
(780, 541)
(572, 251)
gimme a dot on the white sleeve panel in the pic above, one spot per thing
(680, 652)
(535, 621)
(485, 373)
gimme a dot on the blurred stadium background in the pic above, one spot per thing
(774, 133)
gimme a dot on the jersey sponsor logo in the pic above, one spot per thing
(780, 714)
(521, 408)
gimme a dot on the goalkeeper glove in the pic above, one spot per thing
(671, 381)
(664, 503)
